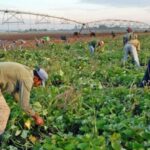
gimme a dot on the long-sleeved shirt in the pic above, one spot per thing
(127, 37)
(17, 79)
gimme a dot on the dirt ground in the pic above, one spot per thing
(10, 38)
(31, 36)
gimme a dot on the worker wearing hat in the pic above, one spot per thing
(131, 46)
(94, 43)
(132, 38)
(127, 36)
(18, 79)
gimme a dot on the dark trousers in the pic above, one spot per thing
(146, 78)
(0, 139)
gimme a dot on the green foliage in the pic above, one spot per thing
(108, 111)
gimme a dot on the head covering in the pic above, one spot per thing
(101, 43)
(129, 29)
(42, 74)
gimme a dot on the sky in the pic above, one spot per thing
(85, 10)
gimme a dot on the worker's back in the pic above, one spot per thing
(11, 72)
(127, 37)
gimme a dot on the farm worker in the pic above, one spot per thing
(131, 46)
(113, 34)
(96, 45)
(127, 36)
(100, 45)
(45, 39)
(92, 45)
(146, 78)
(131, 49)
(136, 43)
(18, 80)
(131, 37)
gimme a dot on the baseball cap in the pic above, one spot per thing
(43, 75)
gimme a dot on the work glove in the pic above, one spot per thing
(38, 120)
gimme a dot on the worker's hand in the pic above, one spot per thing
(38, 120)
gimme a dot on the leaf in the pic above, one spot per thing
(116, 141)
(83, 146)
(24, 134)
(37, 106)
(45, 112)
(27, 124)
(12, 148)
(18, 132)
(70, 146)
(32, 139)
(61, 72)
(116, 145)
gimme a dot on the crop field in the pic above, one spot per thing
(90, 102)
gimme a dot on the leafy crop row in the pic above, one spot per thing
(103, 109)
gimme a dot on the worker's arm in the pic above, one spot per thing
(24, 94)
(125, 40)
(16, 96)
(24, 98)
(139, 46)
